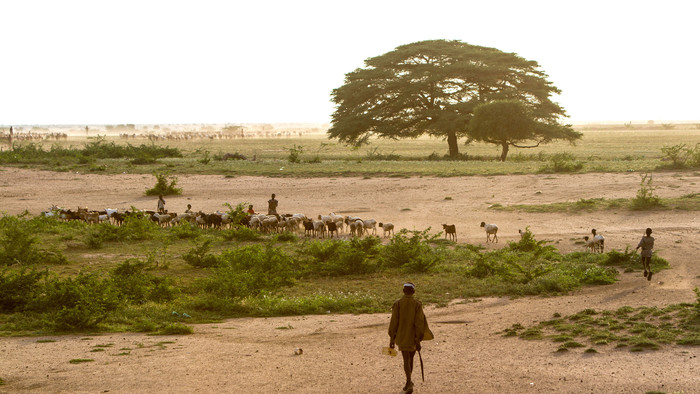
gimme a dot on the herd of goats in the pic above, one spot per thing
(324, 225)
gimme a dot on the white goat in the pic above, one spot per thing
(599, 242)
(388, 228)
(491, 229)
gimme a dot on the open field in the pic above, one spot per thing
(599, 151)
(470, 353)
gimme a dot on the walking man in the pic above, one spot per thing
(406, 329)
(647, 244)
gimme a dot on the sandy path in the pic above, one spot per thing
(341, 352)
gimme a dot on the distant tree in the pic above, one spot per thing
(432, 87)
(510, 123)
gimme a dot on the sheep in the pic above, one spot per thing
(370, 224)
(451, 231)
(590, 244)
(388, 228)
(491, 229)
(319, 227)
(599, 241)
(356, 227)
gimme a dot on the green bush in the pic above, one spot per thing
(563, 162)
(199, 256)
(241, 234)
(410, 250)
(18, 244)
(164, 186)
(646, 199)
(19, 287)
(251, 270)
(185, 230)
(137, 286)
(76, 303)
(137, 227)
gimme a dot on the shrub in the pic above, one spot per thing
(136, 227)
(137, 286)
(251, 270)
(677, 154)
(164, 186)
(76, 303)
(18, 244)
(241, 234)
(198, 256)
(295, 153)
(185, 230)
(409, 249)
(19, 287)
(646, 199)
(563, 162)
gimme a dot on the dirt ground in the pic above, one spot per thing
(341, 353)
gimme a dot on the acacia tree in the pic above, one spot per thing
(432, 87)
(510, 123)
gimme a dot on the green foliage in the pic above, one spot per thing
(164, 186)
(645, 199)
(241, 234)
(295, 154)
(677, 154)
(411, 251)
(237, 213)
(136, 285)
(337, 258)
(137, 227)
(251, 270)
(199, 256)
(76, 303)
(562, 162)
(96, 148)
(19, 244)
(511, 123)
(185, 230)
(19, 287)
(380, 99)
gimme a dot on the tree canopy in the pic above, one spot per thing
(432, 87)
(509, 123)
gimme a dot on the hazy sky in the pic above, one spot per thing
(97, 62)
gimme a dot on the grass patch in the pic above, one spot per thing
(81, 360)
(635, 329)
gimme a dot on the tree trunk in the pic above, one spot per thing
(452, 143)
(504, 152)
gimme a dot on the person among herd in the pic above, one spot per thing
(250, 210)
(272, 206)
(407, 328)
(161, 204)
(189, 208)
(647, 244)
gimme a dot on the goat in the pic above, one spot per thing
(491, 229)
(332, 228)
(451, 231)
(599, 241)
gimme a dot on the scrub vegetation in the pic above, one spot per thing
(141, 277)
